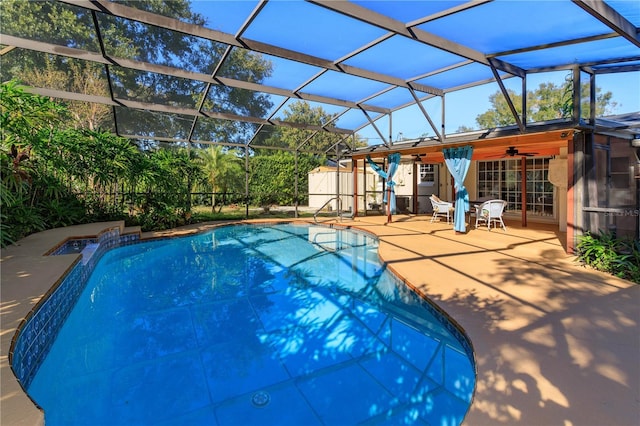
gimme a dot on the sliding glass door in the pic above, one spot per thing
(502, 179)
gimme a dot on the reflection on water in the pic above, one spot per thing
(189, 330)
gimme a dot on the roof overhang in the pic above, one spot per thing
(542, 143)
(544, 139)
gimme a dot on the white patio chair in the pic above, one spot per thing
(491, 212)
(441, 208)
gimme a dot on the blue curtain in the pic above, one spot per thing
(458, 161)
(394, 161)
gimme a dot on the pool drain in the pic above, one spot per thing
(260, 399)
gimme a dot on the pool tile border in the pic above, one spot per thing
(37, 331)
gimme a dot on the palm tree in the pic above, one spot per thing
(220, 167)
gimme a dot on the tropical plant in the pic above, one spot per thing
(166, 187)
(23, 119)
(607, 253)
(19, 172)
(7, 233)
(222, 169)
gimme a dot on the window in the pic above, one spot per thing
(427, 173)
(503, 180)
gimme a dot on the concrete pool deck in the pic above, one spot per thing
(555, 343)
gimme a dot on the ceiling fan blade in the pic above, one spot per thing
(512, 151)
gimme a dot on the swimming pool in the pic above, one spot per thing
(253, 325)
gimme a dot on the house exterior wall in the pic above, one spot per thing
(404, 187)
(322, 187)
(593, 181)
(445, 187)
(558, 176)
(608, 187)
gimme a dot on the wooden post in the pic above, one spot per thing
(354, 172)
(416, 171)
(523, 182)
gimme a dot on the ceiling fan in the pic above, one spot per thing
(512, 152)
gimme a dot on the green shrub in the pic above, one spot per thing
(617, 256)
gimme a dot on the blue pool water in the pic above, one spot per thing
(253, 325)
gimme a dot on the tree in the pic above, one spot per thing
(273, 177)
(306, 140)
(68, 25)
(548, 102)
(65, 25)
(302, 140)
(273, 172)
(85, 78)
